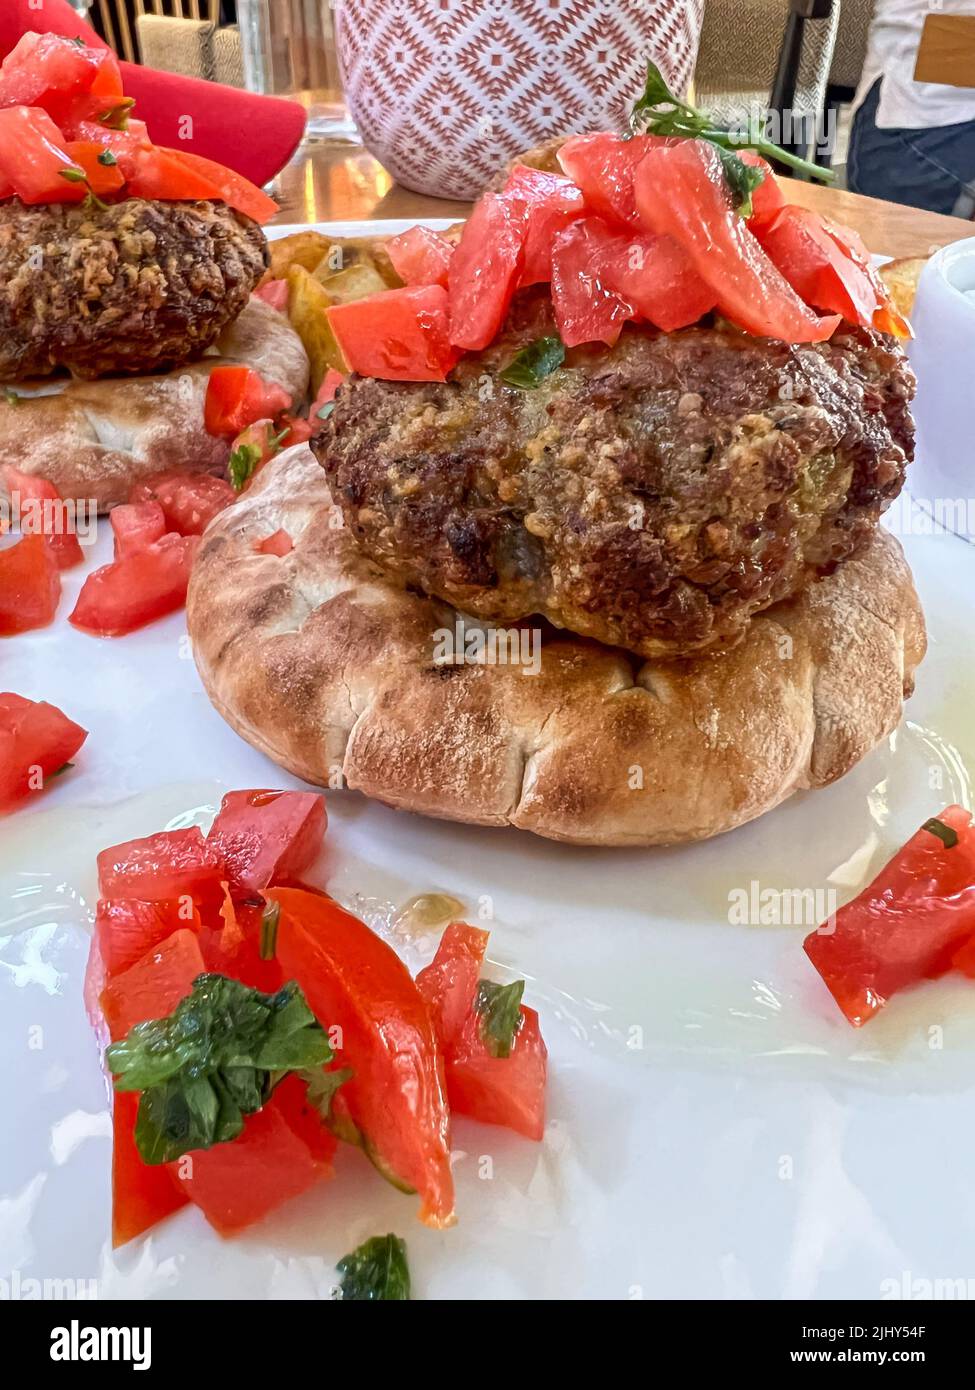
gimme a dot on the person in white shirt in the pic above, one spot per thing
(911, 142)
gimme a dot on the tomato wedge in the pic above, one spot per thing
(104, 179)
(508, 1091)
(397, 335)
(39, 509)
(237, 397)
(484, 269)
(145, 585)
(907, 925)
(681, 191)
(396, 1097)
(156, 173)
(189, 501)
(127, 928)
(30, 585)
(586, 309)
(552, 203)
(267, 836)
(136, 525)
(233, 189)
(602, 165)
(420, 256)
(449, 982)
(34, 160)
(168, 864)
(798, 243)
(36, 741)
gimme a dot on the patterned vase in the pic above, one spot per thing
(445, 92)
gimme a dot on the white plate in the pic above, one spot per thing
(716, 1128)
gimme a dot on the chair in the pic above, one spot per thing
(117, 21)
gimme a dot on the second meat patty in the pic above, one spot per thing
(652, 496)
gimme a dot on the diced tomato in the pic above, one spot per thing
(420, 256)
(278, 543)
(30, 585)
(602, 165)
(887, 317)
(144, 586)
(507, 1091)
(142, 1195)
(267, 837)
(964, 958)
(484, 270)
(155, 173)
(586, 309)
(275, 293)
(36, 740)
(52, 72)
(768, 197)
(449, 982)
(331, 382)
(169, 864)
(189, 501)
(124, 144)
(298, 430)
(154, 985)
(238, 1184)
(396, 1098)
(651, 274)
(136, 525)
(905, 926)
(232, 188)
(397, 335)
(681, 191)
(236, 949)
(552, 203)
(103, 179)
(290, 1099)
(237, 397)
(797, 242)
(41, 510)
(127, 928)
(33, 158)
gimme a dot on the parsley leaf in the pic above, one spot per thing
(107, 159)
(500, 1009)
(321, 1087)
(243, 461)
(213, 1060)
(376, 1270)
(535, 362)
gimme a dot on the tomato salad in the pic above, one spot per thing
(252, 1025)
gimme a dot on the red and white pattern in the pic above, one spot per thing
(444, 92)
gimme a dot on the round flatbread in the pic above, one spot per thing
(320, 662)
(95, 439)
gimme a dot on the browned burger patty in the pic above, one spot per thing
(653, 496)
(135, 286)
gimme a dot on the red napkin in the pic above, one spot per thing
(256, 135)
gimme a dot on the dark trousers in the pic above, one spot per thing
(923, 168)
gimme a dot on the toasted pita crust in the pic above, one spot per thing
(321, 663)
(95, 439)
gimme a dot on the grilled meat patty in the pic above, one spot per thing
(135, 286)
(653, 496)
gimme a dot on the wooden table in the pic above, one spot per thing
(329, 182)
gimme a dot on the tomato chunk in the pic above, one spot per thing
(168, 864)
(396, 1098)
(278, 543)
(189, 501)
(236, 949)
(768, 197)
(237, 397)
(238, 1184)
(136, 525)
(449, 982)
(51, 72)
(156, 173)
(586, 309)
(39, 509)
(551, 204)
(154, 985)
(142, 1195)
(485, 268)
(126, 928)
(397, 335)
(145, 585)
(104, 179)
(681, 191)
(797, 242)
(36, 741)
(602, 165)
(30, 585)
(33, 158)
(420, 256)
(275, 293)
(232, 188)
(507, 1091)
(906, 926)
(267, 836)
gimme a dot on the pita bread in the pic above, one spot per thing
(319, 661)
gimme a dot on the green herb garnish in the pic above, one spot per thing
(74, 175)
(376, 1270)
(117, 116)
(500, 1009)
(947, 836)
(243, 461)
(213, 1060)
(269, 930)
(107, 159)
(322, 1086)
(659, 112)
(535, 362)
